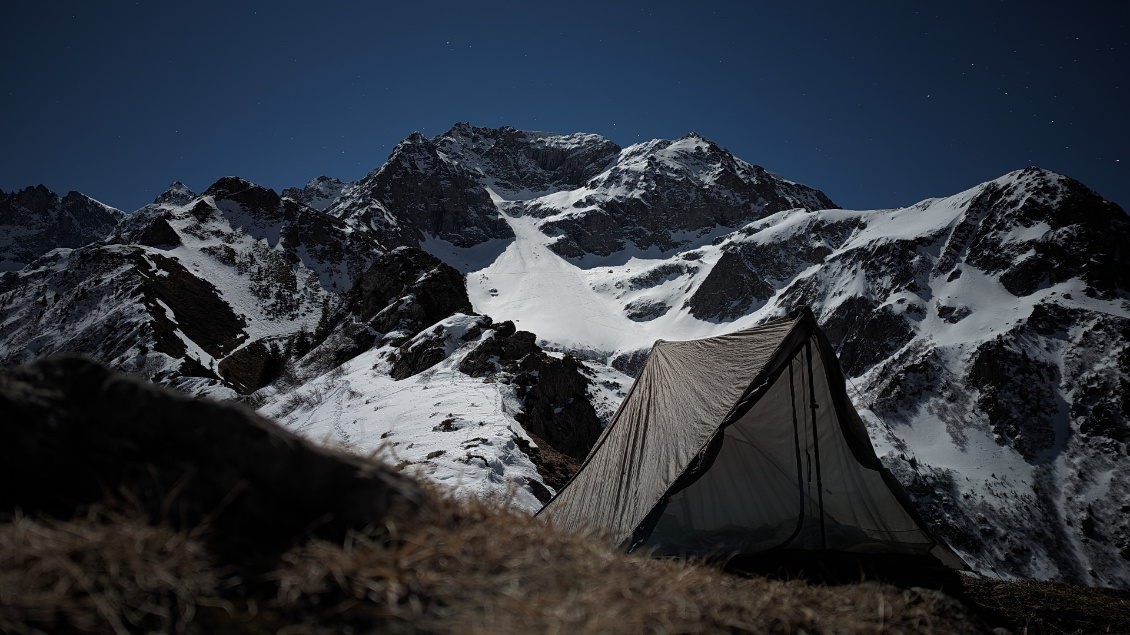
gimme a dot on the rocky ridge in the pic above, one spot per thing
(35, 220)
(664, 195)
(319, 193)
(181, 286)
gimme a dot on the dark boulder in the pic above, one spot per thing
(74, 433)
(631, 363)
(507, 345)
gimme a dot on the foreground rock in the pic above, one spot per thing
(74, 433)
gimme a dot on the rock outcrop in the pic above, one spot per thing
(556, 407)
(74, 433)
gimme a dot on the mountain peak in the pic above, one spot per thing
(177, 194)
(228, 185)
(319, 193)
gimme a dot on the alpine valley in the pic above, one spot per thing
(474, 310)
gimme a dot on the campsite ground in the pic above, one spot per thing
(1020, 606)
(1034, 607)
(194, 516)
(477, 569)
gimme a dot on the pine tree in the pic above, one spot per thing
(325, 323)
(301, 343)
(272, 366)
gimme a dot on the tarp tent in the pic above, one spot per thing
(745, 443)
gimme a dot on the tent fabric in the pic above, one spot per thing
(742, 444)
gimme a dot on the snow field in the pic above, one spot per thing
(442, 425)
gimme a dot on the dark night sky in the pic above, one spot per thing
(879, 106)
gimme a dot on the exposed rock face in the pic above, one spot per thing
(74, 432)
(517, 161)
(437, 186)
(630, 363)
(507, 344)
(556, 407)
(416, 308)
(658, 193)
(750, 272)
(319, 193)
(406, 290)
(177, 194)
(1018, 396)
(595, 196)
(866, 333)
(35, 220)
(1036, 231)
(159, 233)
(418, 191)
(730, 291)
(252, 366)
(435, 344)
(202, 315)
(130, 291)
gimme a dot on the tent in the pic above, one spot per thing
(745, 443)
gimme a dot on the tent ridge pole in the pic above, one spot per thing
(816, 445)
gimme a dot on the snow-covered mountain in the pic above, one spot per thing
(35, 220)
(595, 196)
(986, 335)
(319, 193)
(191, 291)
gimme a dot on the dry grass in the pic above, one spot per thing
(105, 572)
(481, 570)
(1038, 608)
(497, 572)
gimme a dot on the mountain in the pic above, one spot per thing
(595, 196)
(35, 220)
(663, 195)
(319, 193)
(190, 291)
(476, 306)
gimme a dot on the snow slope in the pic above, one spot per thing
(446, 426)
